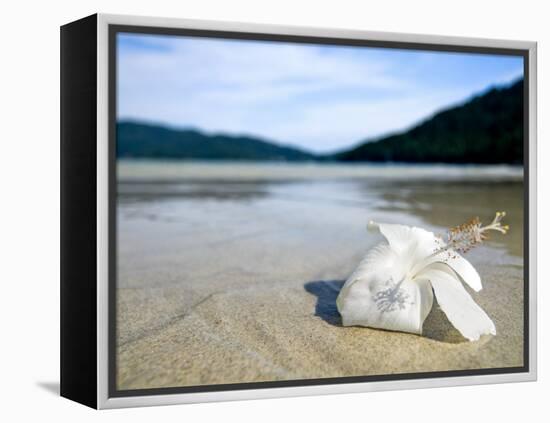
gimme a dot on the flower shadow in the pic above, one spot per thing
(326, 293)
(437, 327)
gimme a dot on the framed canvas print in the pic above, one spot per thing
(253, 211)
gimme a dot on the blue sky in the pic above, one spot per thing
(317, 97)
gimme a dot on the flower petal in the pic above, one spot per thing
(426, 293)
(378, 259)
(416, 243)
(459, 264)
(457, 304)
(465, 270)
(372, 297)
(398, 236)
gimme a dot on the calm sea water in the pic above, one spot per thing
(160, 200)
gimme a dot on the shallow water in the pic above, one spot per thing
(436, 197)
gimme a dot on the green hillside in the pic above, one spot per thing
(139, 140)
(486, 129)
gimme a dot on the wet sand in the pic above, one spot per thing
(231, 278)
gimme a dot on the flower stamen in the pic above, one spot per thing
(464, 237)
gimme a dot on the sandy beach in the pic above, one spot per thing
(229, 274)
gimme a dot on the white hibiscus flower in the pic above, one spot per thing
(393, 286)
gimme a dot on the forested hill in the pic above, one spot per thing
(140, 140)
(486, 129)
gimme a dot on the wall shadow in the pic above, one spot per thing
(326, 293)
(51, 387)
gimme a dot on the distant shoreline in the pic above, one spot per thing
(145, 170)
